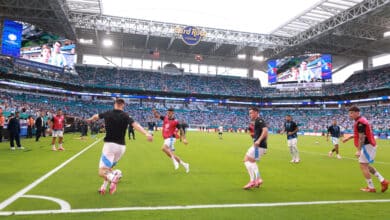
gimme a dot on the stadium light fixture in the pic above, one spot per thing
(107, 42)
(86, 41)
(258, 58)
(386, 34)
(241, 56)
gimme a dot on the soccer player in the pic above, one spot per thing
(57, 127)
(220, 131)
(257, 150)
(170, 124)
(116, 122)
(291, 128)
(334, 131)
(366, 149)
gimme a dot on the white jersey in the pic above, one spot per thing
(220, 129)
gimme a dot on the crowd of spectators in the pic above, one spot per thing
(190, 84)
(197, 115)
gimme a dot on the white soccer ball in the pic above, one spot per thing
(118, 173)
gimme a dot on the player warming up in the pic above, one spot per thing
(220, 131)
(334, 131)
(57, 127)
(116, 122)
(170, 124)
(365, 144)
(257, 150)
(291, 128)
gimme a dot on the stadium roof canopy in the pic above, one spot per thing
(348, 29)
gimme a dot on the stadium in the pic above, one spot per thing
(208, 63)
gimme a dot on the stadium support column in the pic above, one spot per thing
(249, 64)
(367, 63)
(80, 57)
(250, 72)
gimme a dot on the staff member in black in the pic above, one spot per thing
(39, 125)
(131, 131)
(14, 131)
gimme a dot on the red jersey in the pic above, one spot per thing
(169, 127)
(362, 121)
(2, 120)
(58, 122)
(252, 129)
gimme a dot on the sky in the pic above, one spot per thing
(261, 16)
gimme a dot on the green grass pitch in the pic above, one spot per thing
(216, 177)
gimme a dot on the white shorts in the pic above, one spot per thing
(367, 154)
(111, 154)
(292, 142)
(335, 140)
(256, 152)
(57, 133)
(170, 142)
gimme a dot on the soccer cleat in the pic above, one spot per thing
(297, 161)
(385, 185)
(250, 185)
(12, 148)
(54, 149)
(102, 190)
(330, 153)
(114, 183)
(258, 182)
(292, 161)
(187, 167)
(338, 156)
(61, 149)
(368, 189)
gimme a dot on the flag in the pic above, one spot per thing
(198, 57)
(155, 54)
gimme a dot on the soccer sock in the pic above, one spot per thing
(53, 146)
(105, 183)
(182, 162)
(292, 152)
(60, 145)
(370, 183)
(296, 153)
(174, 160)
(255, 170)
(249, 168)
(379, 176)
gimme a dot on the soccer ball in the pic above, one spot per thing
(118, 172)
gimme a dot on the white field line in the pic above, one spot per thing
(17, 195)
(342, 157)
(326, 155)
(214, 206)
(63, 204)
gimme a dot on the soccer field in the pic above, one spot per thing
(317, 188)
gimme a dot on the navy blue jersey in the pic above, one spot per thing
(334, 131)
(258, 130)
(290, 126)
